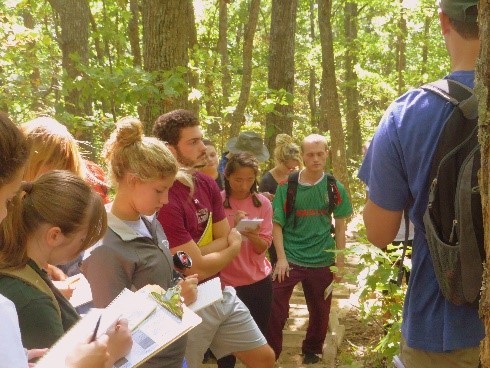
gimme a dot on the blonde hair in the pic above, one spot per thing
(286, 150)
(128, 150)
(52, 147)
(315, 138)
(58, 198)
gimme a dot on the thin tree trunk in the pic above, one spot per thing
(250, 28)
(31, 58)
(281, 68)
(481, 90)
(312, 80)
(329, 101)
(401, 48)
(223, 51)
(133, 32)
(354, 138)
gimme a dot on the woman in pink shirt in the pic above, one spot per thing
(250, 270)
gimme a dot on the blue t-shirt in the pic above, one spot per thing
(396, 170)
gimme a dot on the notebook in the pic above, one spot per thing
(152, 328)
(208, 293)
(248, 224)
(82, 293)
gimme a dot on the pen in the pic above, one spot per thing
(73, 281)
(94, 335)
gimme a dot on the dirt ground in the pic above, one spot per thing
(361, 337)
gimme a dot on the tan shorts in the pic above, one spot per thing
(462, 358)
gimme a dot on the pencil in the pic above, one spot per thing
(94, 335)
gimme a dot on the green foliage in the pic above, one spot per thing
(381, 299)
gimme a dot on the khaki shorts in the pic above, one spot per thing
(227, 327)
(462, 358)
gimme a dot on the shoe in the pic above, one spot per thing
(310, 358)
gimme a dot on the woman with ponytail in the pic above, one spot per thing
(34, 231)
(134, 251)
(249, 272)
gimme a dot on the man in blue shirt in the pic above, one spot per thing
(435, 332)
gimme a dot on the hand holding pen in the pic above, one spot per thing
(188, 284)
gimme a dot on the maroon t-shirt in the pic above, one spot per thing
(184, 218)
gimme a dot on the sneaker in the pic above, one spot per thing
(310, 358)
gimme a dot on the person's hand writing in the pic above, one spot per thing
(90, 355)
(189, 289)
(281, 271)
(34, 354)
(55, 273)
(239, 215)
(120, 340)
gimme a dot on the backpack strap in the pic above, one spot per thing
(293, 179)
(457, 94)
(334, 197)
(31, 277)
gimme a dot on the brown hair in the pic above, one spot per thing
(14, 149)
(168, 126)
(53, 147)
(467, 30)
(59, 198)
(129, 151)
(237, 161)
(286, 150)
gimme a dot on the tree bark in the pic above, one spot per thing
(133, 32)
(223, 51)
(31, 58)
(329, 100)
(281, 68)
(481, 90)
(248, 42)
(354, 138)
(73, 40)
(312, 98)
(166, 35)
(401, 48)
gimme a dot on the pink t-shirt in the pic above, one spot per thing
(249, 267)
(184, 218)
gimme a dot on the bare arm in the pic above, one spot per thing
(207, 265)
(282, 266)
(381, 224)
(340, 226)
(221, 230)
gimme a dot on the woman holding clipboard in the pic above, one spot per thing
(250, 271)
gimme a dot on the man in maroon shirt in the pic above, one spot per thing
(194, 222)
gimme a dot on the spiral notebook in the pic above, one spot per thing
(208, 293)
(152, 328)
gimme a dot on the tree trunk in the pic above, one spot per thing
(312, 80)
(223, 51)
(73, 40)
(133, 32)
(329, 100)
(401, 47)
(481, 90)
(425, 48)
(281, 68)
(354, 138)
(166, 35)
(31, 58)
(248, 42)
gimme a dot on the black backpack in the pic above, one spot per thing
(453, 219)
(334, 197)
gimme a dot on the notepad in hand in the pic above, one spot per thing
(248, 224)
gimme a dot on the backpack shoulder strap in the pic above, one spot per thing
(334, 197)
(30, 277)
(291, 193)
(457, 94)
